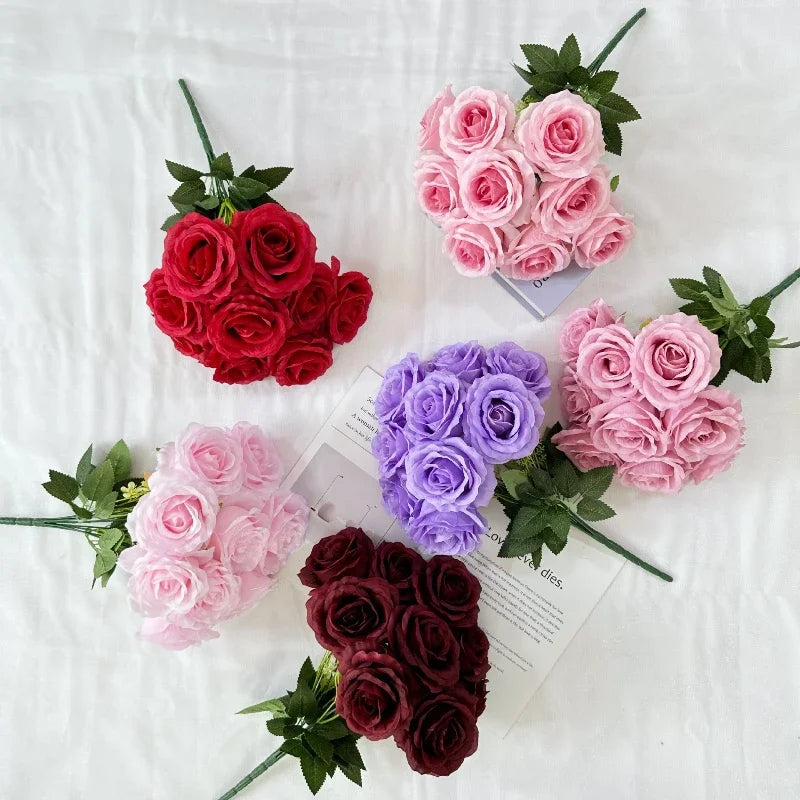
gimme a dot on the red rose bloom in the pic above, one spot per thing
(309, 306)
(242, 370)
(350, 306)
(199, 259)
(247, 325)
(398, 564)
(478, 693)
(450, 589)
(474, 653)
(372, 696)
(276, 249)
(172, 315)
(347, 553)
(302, 360)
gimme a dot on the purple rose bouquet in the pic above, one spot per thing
(444, 424)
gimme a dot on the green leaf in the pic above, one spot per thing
(688, 288)
(531, 96)
(320, 746)
(270, 706)
(759, 342)
(566, 478)
(727, 294)
(100, 482)
(80, 513)
(273, 177)
(189, 192)
(766, 368)
(181, 172)
(120, 457)
(110, 538)
(614, 108)
(84, 466)
(293, 747)
(731, 353)
(536, 557)
(222, 167)
(105, 507)
(556, 534)
(347, 751)
(700, 308)
(764, 325)
(595, 482)
(540, 57)
(314, 771)
(612, 137)
(276, 726)
(302, 702)
(208, 203)
(512, 479)
(528, 522)
(713, 279)
(603, 81)
(614, 183)
(351, 772)
(721, 305)
(579, 76)
(780, 344)
(104, 562)
(514, 546)
(569, 56)
(335, 729)
(593, 510)
(549, 82)
(759, 306)
(249, 188)
(292, 730)
(171, 220)
(541, 480)
(523, 73)
(307, 674)
(62, 487)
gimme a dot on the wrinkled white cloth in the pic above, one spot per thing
(688, 690)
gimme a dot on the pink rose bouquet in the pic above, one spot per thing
(521, 189)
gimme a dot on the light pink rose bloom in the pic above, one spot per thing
(429, 124)
(222, 600)
(663, 474)
(578, 323)
(561, 135)
(531, 253)
(475, 249)
(707, 432)
(567, 206)
(172, 635)
(177, 516)
(577, 399)
(240, 536)
(674, 358)
(497, 186)
(287, 518)
(263, 468)
(476, 120)
(576, 444)
(212, 454)
(437, 187)
(604, 240)
(629, 429)
(254, 585)
(604, 361)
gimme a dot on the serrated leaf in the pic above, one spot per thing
(347, 751)
(104, 562)
(569, 56)
(208, 203)
(595, 482)
(760, 342)
(541, 480)
(688, 288)
(62, 487)
(314, 771)
(268, 706)
(84, 466)
(615, 108)
(540, 57)
(727, 293)
(614, 183)
(764, 325)
(80, 513)
(523, 73)
(593, 510)
(549, 82)
(612, 137)
(531, 96)
(554, 544)
(512, 479)
(105, 508)
(120, 457)
(558, 525)
(579, 76)
(603, 82)
(320, 746)
(293, 747)
(698, 308)
(528, 522)
(759, 306)
(99, 483)
(222, 166)
(276, 726)
(514, 546)
(713, 278)
(565, 477)
(536, 557)
(302, 702)
(272, 177)
(766, 368)
(188, 193)
(722, 306)
(307, 674)
(171, 220)
(181, 172)
(249, 188)
(351, 772)
(335, 729)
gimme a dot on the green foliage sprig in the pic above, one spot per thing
(549, 71)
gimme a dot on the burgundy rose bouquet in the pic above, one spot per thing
(239, 288)
(406, 659)
(521, 189)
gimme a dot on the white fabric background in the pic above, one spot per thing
(688, 690)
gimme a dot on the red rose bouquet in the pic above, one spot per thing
(239, 287)
(406, 659)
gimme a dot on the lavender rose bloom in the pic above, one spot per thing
(399, 378)
(390, 446)
(399, 503)
(434, 407)
(449, 474)
(529, 367)
(502, 418)
(466, 360)
(451, 533)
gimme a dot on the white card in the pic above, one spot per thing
(543, 296)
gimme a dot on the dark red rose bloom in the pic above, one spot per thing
(247, 325)
(302, 359)
(442, 732)
(348, 552)
(474, 653)
(423, 640)
(276, 249)
(478, 693)
(351, 612)
(199, 258)
(398, 564)
(309, 306)
(450, 589)
(350, 306)
(172, 315)
(242, 370)
(372, 696)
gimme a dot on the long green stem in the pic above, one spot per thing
(198, 121)
(783, 285)
(615, 40)
(612, 545)
(271, 759)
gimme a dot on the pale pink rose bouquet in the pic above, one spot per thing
(521, 189)
(202, 538)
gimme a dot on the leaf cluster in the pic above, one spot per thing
(745, 332)
(312, 731)
(543, 494)
(549, 71)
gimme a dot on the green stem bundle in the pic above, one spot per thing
(783, 285)
(272, 758)
(614, 41)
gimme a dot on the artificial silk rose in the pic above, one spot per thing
(451, 590)
(663, 474)
(429, 124)
(449, 474)
(441, 734)
(423, 640)
(511, 359)
(174, 316)
(474, 653)
(477, 119)
(389, 446)
(199, 259)
(452, 533)
(577, 400)
(477, 691)
(263, 469)
(372, 696)
(578, 446)
(350, 304)
(398, 564)
(604, 240)
(604, 362)
(674, 358)
(436, 182)
(467, 360)
(240, 537)
(276, 249)
(247, 325)
(502, 418)
(397, 500)
(241, 370)
(399, 378)
(567, 206)
(174, 636)
(561, 135)
(302, 359)
(308, 306)
(474, 248)
(434, 407)
(629, 428)
(348, 553)
(578, 323)
(351, 613)
(212, 454)
(222, 599)
(531, 253)
(287, 519)
(497, 186)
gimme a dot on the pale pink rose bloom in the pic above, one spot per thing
(576, 444)
(177, 516)
(567, 206)
(561, 135)
(254, 585)
(604, 361)
(263, 468)
(530, 253)
(172, 635)
(437, 187)
(577, 399)
(707, 432)
(475, 249)
(287, 519)
(578, 323)
(604, 240)
(222, 600)
(497, 186)
(240, 536)
(429, 124)
(212, 454)
(476, 120)
(663, 474)
(629, 429)
(674, 358)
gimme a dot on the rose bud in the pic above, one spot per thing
(424, 641)
(348, 552)
(398, 564)
(450, 589)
